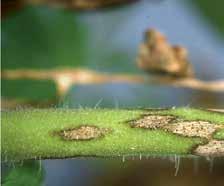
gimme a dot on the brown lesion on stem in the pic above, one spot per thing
(83, 132)
(202, 129)
(175, 125)
(152, 121)
(214, 148)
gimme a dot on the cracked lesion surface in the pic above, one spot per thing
(197, 128)
(201, 129)
(213, 148)
(152, 121)
(83, 133)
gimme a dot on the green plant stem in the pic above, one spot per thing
(34, 133)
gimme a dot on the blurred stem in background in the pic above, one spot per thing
(9, 6)
(48, 38)
(65, 78)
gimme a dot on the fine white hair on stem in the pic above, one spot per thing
(13, 165)
(80, 106)
(140, 156)
(123, 158)
(116, 103)
(177, 164)
(63, 103)
(189, 104)
(211, 164)
(40, 166)
(98, 103)
(196, 164)
(21, 163)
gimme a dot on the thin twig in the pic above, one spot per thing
(65, 78)
(192, 83)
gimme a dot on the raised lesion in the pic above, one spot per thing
(211, 146)
(202, 129)
(83, 133)
(156, 55)
(214, 148)
(152, 121)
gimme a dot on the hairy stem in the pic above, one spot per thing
(64, 133)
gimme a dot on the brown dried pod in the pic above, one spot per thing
(156, 55)
(81, 4)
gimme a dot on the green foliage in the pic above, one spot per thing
(29, 90)
(116, 61)
(219, 135)
(29, 173)
(213, 10)
(41, 37)
(28, 134)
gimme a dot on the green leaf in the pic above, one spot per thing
(40, 37)
(24, 90)
(29, 173)
(213, 11)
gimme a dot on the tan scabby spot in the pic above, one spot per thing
(83, 133)
(213, 148)
(202, 129)
(152, 121)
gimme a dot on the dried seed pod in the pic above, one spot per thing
(81, 4)
(156, 55)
